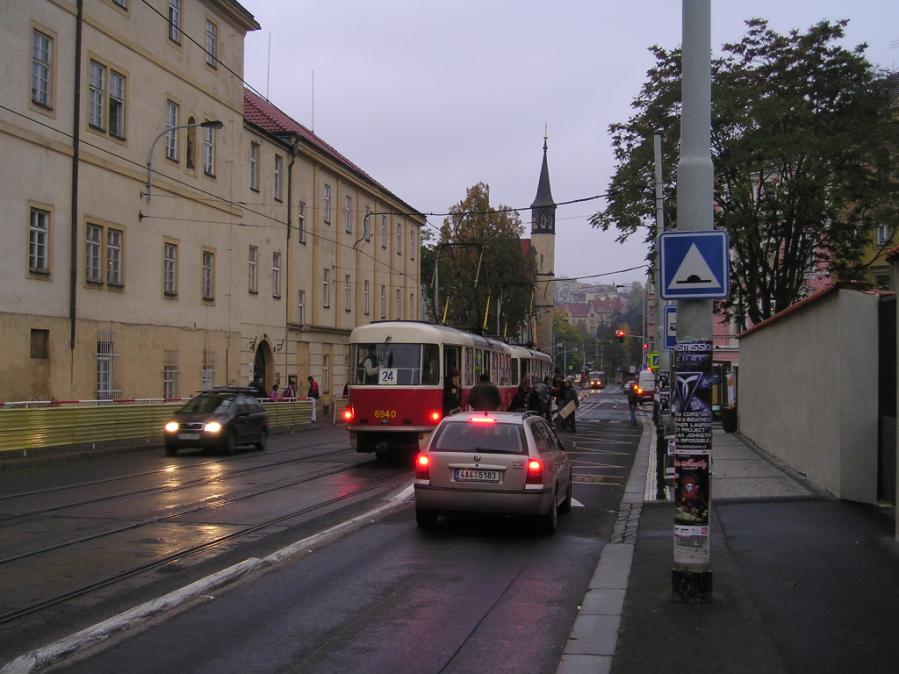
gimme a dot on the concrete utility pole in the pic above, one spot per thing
(692, 570)
(664, 360)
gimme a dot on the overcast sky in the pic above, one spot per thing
(432, 97)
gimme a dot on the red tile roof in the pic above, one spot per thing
(269, 117)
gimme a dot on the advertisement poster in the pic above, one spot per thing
(691, 545)
(691, 402)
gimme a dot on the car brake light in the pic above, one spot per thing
(348, 414)
(423, 467)
(434, 416)
(535, 472)
(483, 420)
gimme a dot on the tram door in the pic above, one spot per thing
(452, 358)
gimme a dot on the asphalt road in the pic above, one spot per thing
(470, 595)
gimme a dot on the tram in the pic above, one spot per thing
(396, 374)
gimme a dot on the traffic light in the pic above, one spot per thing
(620, 335)
(646, 346)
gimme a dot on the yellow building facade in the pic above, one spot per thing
(153, 230)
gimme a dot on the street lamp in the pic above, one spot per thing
(208, 124)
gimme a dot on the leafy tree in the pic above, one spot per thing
(803, 143)
(480, 260)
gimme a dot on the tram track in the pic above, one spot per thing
(159, 489)
(189, 551)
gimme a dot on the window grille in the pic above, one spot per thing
(208, 374)
(106, 359)
(170, 375)
(252, 269)
(301, 225)
(301, 307)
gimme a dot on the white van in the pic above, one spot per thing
(646, 385)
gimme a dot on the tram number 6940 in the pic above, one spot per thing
(385, 414)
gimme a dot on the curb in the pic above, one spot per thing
(594, 635)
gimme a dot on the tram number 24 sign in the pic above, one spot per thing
(387, 376)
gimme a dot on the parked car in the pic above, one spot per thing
(221, 418)
(493, 462)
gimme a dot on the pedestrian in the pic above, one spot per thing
(288, 393)
(569, 397)
(274, 396)
(519, 401)
(452, 391)
(485, 396)
(632, 400)
(313, 388)
(546, 400)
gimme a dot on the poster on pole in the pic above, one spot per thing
(691, 404)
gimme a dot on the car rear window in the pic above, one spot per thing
(467, 436)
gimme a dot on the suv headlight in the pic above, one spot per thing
(171, 427)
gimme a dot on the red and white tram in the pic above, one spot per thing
(397, 369)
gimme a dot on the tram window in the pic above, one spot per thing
(430, 374)
(515, 379)
(469, 367)
(478, 363)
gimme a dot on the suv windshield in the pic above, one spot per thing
(206, 403)
(466, 436)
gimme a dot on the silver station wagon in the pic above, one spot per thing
(493, 462)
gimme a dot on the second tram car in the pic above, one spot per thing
(397, 370)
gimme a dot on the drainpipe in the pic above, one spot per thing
(76, 138)
(293, 155)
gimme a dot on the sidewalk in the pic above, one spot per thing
(802, 582)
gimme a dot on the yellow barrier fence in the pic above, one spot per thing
(55, 426)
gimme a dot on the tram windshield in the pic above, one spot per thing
(389, 364)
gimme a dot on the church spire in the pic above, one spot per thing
(543, 210)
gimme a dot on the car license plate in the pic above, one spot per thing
(189, 436)
(476, 475)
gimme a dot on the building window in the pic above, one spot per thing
(211, 44)
(39, 241)
(301, 307)
(209, 151)
(208, 373)
(301, 223)
(100, 100)
(170, 269)
(41, 62)
(326, 287)
(40, 344)
(399, 238)
(93, 255)
(171, 134)
(114, 257)
(411, 314)
(192, 144)
(326, 373)
(366, 224)
(348, 214)
(411, 244)
(279, 161)
(170, 375)
(398, 307)
(276, 274)
(884, 234)
(121, 3)
(116, 104)
(383, 303)
(326, 204)
(106, 358)
(254, 166)
(384, 231)
(175, 21)
(208, 280)
(97, 87)
(347, 293)
(252, 269)
(366, 300)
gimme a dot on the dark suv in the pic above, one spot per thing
(220, 418)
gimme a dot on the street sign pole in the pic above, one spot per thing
(692, 569)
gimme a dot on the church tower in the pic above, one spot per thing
(543, 242)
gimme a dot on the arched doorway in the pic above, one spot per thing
(263, 365)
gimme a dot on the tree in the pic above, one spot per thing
(480, 262)
(803, 143)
